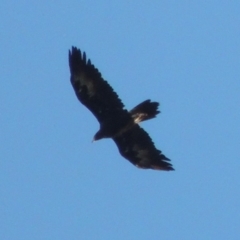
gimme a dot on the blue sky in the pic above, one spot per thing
(56, 184)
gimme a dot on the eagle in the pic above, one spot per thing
(115, 121)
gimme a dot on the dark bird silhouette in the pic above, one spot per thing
(115, 121)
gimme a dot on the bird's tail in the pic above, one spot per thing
(145, 111)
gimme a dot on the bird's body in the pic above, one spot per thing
(115, 121)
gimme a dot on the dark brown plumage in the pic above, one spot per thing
(115, 121)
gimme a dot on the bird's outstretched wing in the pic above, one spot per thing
(91, 89)
(136, 146)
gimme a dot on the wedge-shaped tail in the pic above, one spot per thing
(145, 111)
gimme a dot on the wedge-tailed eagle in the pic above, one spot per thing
(115, 121)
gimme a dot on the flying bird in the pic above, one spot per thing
(115, 121)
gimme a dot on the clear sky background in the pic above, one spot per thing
(56, 184)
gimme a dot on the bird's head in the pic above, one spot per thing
(99, 135)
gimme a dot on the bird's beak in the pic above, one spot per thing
(93, 140)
